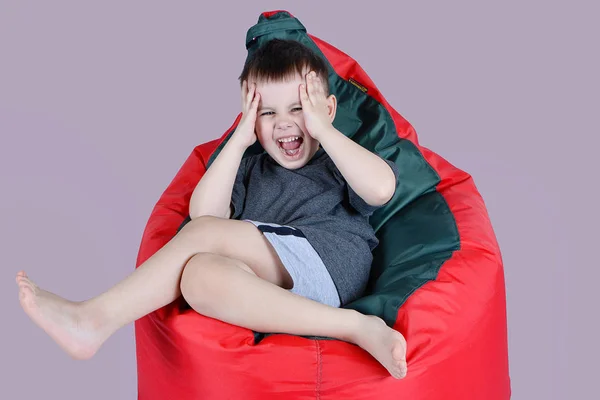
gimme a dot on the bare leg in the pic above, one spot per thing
(80, 328)
(222, 288)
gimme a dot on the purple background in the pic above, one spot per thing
(101, 104)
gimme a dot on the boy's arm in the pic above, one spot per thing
(366, 173)
(212, 195)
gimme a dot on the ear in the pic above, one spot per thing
(331, 107)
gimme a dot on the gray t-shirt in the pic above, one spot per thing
(316, 200)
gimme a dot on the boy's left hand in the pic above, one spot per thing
(314, 106)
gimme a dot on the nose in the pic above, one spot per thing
(283, 123)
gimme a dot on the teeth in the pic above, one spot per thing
(291, 139)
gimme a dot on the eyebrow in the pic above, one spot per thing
(270, 108)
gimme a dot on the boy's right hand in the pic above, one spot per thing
(244, 133)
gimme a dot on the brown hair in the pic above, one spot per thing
(281, 59)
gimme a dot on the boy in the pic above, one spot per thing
(276, 242)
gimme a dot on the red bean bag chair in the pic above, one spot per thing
(437, 278)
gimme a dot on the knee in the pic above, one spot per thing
(203, 222)
(200, 232)
(196, 278)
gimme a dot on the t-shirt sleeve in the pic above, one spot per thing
(358, 203)
(238, 194)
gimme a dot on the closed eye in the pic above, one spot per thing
(272, 112)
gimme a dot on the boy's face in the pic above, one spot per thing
(280, 117)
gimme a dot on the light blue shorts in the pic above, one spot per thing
(310, 276)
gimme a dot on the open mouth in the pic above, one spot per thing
(291, 146)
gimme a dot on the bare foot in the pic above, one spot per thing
(385, 344)
(59, 318)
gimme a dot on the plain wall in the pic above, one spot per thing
(101, 103)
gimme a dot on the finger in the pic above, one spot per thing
(244, 93)
(304, 96)
(255, 102)
(248, 99)
(317, 89)
(310, 86)
(318, 85)
(250, 93)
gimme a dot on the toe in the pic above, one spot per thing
(399, 351)
(399, 371)
(403, 366)
(26, 297)
(399, 355)
(30, 286)
(26, 287)
(21, 281)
